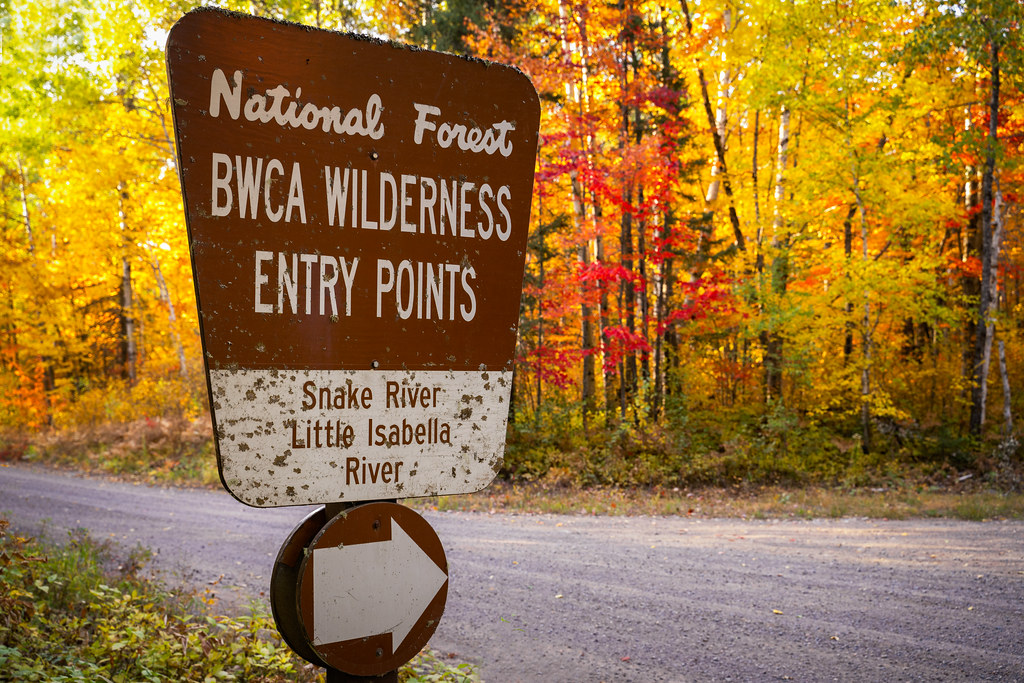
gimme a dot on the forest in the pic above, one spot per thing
(771, 240)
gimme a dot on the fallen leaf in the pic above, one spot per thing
(776, 611)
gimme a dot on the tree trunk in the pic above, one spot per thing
(540, 330)
(866, 332)
(645, 306)
(773, 352)
(989, 254)
(753, 176)
(848, 253)
(22, 187)
(172, 318)
(628, 301)
(993, 297)
(129, 350)
(603, 309)
(1007, 414)
(588, 343)
(721, 120)
(588, 385)
(969, 244)
(627, 293)
(719, 144)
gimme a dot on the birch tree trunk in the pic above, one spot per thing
(721, 122)
(720, 168)
(993, 298)
(129, 350)
(989, 254)
(172, 317)
(588, 342)
(779, 265)
(1007, 414)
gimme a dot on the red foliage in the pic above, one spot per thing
(703, 298)
(554, 364)
(619, 343)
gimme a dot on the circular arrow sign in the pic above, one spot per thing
(372, 588)
(284, 584)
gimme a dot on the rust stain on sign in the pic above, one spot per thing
(358, 214)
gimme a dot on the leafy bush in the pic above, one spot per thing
(69, 615)
(696, 446)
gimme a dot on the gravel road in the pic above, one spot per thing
(563, 598)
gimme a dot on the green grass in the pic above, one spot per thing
(75, 612)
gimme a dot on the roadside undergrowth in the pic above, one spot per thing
(159, 450)
(77, 612)
(179, 452)
(963, 501)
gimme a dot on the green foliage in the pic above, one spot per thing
(72, 613)
(428, 668)
(699, 446)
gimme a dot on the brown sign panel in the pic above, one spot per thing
(358, 214)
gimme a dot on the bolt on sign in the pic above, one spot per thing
(358, 213)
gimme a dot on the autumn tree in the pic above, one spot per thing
(782, 231)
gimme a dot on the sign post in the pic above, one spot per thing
(358, 214)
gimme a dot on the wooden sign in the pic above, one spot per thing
(358, 214)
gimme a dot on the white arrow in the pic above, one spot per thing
(372, 588)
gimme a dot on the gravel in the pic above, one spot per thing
(571, 598)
